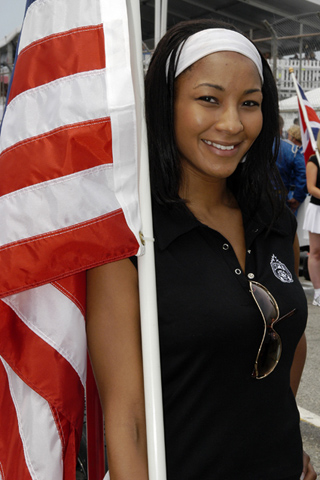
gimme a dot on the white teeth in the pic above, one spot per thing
(221, 147)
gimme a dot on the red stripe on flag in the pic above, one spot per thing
(308, 152)
(95, 431)
(302, 117)
(71, 447)
(61, 152)
(12, 460)
(69, 256)
(44, 370)
(41, 367)
(306, 142)
(312, 116)
(75, 51)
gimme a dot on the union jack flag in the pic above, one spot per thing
(68, 202)
(314, 122)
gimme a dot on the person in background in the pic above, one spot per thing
(231, 309)
(281, 125)
(291, 165)
(294, 135)
(312, 223)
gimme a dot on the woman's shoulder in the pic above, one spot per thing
(313, 159)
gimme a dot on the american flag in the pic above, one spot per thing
(314, 124)
(68, 202)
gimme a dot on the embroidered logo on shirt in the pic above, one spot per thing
(280, 270)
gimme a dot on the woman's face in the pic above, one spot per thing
(217, 114)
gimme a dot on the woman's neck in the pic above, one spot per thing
(214, 205)
(207, 196)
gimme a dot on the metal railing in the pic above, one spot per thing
(307, 73)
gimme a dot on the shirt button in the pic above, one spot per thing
(225, 246)
(251, 276)
(238, 271)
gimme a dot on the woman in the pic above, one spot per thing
(312, 223)
(292, 168)
(223, 241)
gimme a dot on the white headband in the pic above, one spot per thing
(214, 40)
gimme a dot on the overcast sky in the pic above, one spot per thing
(11, 15)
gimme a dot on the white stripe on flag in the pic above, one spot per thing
(314, 124)
(42, 109)
(53, 317)
(42, 20)
(37, 428)
(88, 195)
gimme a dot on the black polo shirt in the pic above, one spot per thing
(220, 423)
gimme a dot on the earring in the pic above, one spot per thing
(244, 158)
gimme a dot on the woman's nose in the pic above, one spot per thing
(229, 121)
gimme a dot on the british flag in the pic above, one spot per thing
(68, 202)
(314, 122)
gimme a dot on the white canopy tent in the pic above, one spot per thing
(289, 106)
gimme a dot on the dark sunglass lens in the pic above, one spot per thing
(269, 354)
(265, 302)
(270, 348)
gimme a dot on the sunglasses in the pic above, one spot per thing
(271, 347)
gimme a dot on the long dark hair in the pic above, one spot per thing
(256, 178)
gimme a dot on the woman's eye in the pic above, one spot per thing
(251, 103)
(208, 99)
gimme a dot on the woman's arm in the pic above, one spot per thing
(113, 331)
(312, 173)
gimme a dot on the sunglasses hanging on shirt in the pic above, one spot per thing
(270, 349)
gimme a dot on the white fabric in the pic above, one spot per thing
(40, 438)
(50, 106)
(121, 107)
(214, 40)
(88, 194)
(312, 219)
(51, 315)
(42, 20)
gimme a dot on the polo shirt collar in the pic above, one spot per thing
(261, 220)
(171, 223)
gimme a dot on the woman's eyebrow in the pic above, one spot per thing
(253, 90)
(222, 89)
(218, 87)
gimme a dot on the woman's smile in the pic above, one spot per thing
(220, 146)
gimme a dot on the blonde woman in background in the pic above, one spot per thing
(292, 168)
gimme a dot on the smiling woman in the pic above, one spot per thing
(217, 114)
(230, 367)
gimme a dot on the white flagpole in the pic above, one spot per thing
(157, 21)
(146, 269)
(164, 16)
(305, 115)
